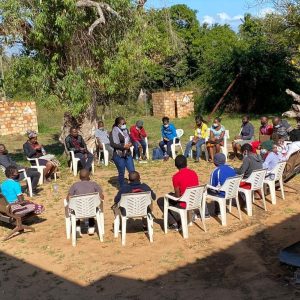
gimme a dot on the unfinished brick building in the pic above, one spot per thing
(173, 104)
(17, 117)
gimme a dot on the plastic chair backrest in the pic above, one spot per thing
(179, 133)
(278, 170)
(193, 197)
(227, 136)
(136, 204)
(256, 179)
(231, 186)
(84, 206)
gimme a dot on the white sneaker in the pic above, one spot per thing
(91, 230)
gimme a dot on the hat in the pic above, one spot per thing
(268, 145)
(219, 159)
(31, 134)
(139, 123)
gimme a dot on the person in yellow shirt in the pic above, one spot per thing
(200, 136)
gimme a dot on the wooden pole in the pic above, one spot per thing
(224, 95)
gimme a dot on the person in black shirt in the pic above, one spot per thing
(74, 142)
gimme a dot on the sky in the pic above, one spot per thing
(218, 11)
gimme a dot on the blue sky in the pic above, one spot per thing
(217, 11)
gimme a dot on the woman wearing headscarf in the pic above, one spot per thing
(33, 149)
(121, 143)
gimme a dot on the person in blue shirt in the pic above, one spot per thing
(219, 176)
(168, 133)
(11, 190)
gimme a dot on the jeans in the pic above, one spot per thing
(123, 163)
(164, 143)
(86, 163)
(136, 147)
(189, 147)
(34, 176)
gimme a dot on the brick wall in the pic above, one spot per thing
(17, 117)
(165, 103)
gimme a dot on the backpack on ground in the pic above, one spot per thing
(157, 154)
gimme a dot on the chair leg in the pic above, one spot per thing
(166, 205)
(181, 148)
(248, 195)
(75, 167)
(150, 227)
(173, 151)
(29, 186)
(222, 204)
(202, 213)
(99, 226)
(230, 205)
(93, 168)
(116, 226)
(124, 223)
(102, 221)
(73, 221)
(238, 206)
(184, 225)
(190, 218)
(271, 185)
(68, 227)
(281, 188)
(264, 199)
(105, 154)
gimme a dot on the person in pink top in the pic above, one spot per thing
(138, 135)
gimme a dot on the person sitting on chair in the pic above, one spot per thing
(182, 180)
(271, 156)
(199, 138)
(216, 138)
(246, 136)
(218, 177)
(83, 187)
(74, 142)
(168, 133)
(102, 137)
(138, 135)
(11, 190)
(281, 128)
(33, 174)
(33, 149)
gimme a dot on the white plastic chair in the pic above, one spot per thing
(104, 151)
(176, 142)
(84, 207)
(75, 161)
(256, 179)
(276, 173)
(194, 198)
(136, 206)
(225, 147)
(147, 149)
(39, 168)
(231, 189)
(28, 180)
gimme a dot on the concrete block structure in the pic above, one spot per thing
(173, 104)
(17, 117)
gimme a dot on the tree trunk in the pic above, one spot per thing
(86, 124)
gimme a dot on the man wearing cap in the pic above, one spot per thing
(219, 176)
(138, 135)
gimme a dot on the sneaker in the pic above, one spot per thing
(91, 230)
(197, 160)
(166, 157)
(173, 227)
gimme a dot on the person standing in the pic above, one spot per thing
(74, 142)
(168, 133)
(121, 143)
(33, 174)
(199, 139)
(138, 135)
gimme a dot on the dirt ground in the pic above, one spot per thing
(239, 261)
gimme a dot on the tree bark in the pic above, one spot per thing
(86, 124)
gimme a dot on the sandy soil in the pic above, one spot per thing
(239, 261)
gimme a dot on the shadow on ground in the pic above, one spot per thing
(249, 269)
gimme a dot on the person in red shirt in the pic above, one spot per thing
(182, 180)
(138, 135)
(265, 128)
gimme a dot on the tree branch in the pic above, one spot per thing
(100, 6)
